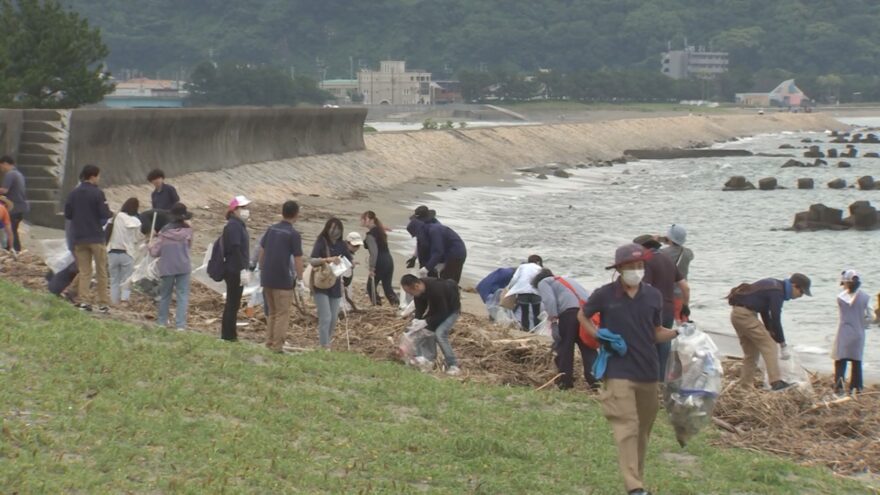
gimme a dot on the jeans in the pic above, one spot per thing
(121, 268)
(234, 290)
(16, 221)
(526, 301)
(855, 379)
(328, 313)
(179, 283)
(384, 276)
(84, 254)
(442, 333)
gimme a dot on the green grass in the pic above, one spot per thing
(95, 406)
(575, 106)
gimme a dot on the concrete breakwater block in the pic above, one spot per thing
(676, 153)
(862, 216)
(866, 183)
(837, 184)
(738, 183)
(767, 183)
(805, 183)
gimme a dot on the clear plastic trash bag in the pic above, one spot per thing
(418, 346)
(200, 274)
(544, 327)
(693, 382)
(498, 314)
(791, 371)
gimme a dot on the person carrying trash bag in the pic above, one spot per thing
(760, 337)
(630, 313)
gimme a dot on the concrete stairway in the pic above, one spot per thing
(40, 153)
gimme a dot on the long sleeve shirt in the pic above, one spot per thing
(445, 245)
(558, 298)
(440, 300)
(521, 282)
(236, 245)
(765, 297)
(87, 210)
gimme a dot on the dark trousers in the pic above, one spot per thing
(452, 269)
(384, 276)
(16, 221)
(228, 330)
(568, 339)
(526, 302)
(664, 348)
(855, 379)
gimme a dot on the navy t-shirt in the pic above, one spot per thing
(634, 319)
(164, 198)
(662, 274)
(322, 250)
(280, 243)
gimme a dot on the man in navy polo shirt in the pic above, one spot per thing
(632, 310)
(280, 244)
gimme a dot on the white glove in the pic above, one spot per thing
(301, 288)
(440, 267)
(245, 278)
(423, 272)
(784, 353)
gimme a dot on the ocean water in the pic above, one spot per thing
(577, 223)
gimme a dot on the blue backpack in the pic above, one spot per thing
(217, 263)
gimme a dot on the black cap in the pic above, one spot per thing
(802, 281)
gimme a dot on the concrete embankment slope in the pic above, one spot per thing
(391, 159)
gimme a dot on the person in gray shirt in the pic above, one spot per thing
(562, 298)
(682, 257)
(13, 187)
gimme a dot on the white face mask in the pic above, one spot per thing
(244, 214)
(632, 277)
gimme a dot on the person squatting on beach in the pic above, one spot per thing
(630, 312)
(849, 345)
(760, 337)
(236, 255)
(381, 262)
(86, 208)
(354, 242)
(527, 296)
(682, 256)
(328, 248)
(164, 196)
(563, 298)
(280, 244)
(661, 273)
(438, 302)
(13, 187)
(123, 234)
(172, 247)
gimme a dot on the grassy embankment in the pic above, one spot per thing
(95, 406)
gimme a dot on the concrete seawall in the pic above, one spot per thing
(392, 159)
(127, 144)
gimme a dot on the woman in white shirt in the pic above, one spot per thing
(527, 297)
(123, 234)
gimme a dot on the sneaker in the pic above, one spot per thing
(84, 306)
(639, 491)
(104, 310)
(453, 370)
(779, 385)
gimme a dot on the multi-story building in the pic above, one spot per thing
(694, 62)
(393, 84)
(341, 89)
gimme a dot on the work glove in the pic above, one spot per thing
(440, 267)
(252, 266)
(245, 278)
(686, 313)
(411, 263)
(301, 288)
(423, 272)
(784, 353)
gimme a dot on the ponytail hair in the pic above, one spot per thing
(380, 234)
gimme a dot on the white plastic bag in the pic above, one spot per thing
(498, 314)
(255, 298)
(418, 346)
(56, 255)
(693, 382)
(544, 327)
(790, 371)
(200, 274)
(340, 267)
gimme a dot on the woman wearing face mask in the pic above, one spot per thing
(328, 248)
(381, 262)
(236, 253)
(855, 316)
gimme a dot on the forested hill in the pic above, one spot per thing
(801, 36)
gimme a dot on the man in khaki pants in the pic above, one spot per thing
(280, 244)
(86, 209)
(630, 311)
(760, 337)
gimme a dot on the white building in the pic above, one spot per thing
(393, 84)
(693, 62)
